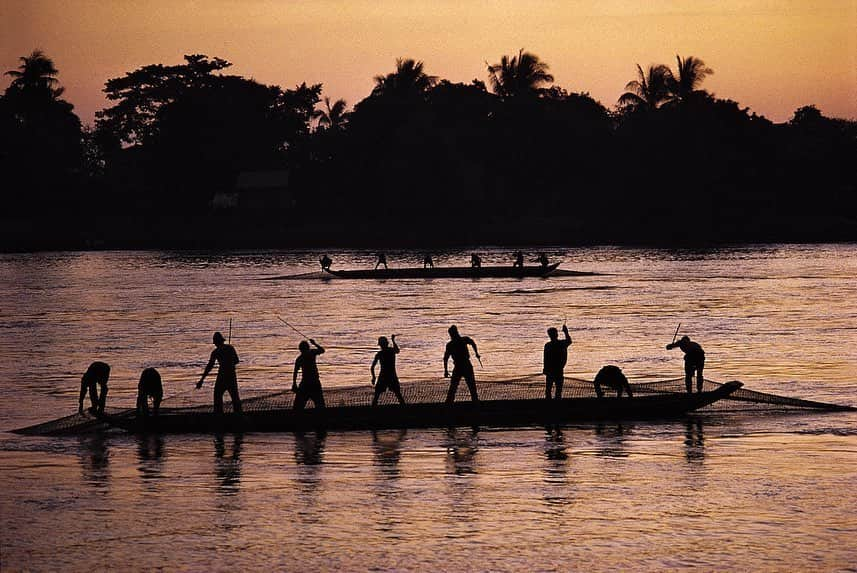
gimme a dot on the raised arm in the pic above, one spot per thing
(318, 348)
(205, 372)
(567, 335)
(395, 346)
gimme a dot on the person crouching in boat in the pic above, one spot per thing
(310, 386)
(612, 377)
(149, 387)
(555, 357)
(96, 375)
(227, 380)
(462, 367)
(387, 379)
(694, 362)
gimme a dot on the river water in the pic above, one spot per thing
(713, 491)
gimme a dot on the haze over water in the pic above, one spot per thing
(714, 491)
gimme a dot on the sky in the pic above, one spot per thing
(772, 56)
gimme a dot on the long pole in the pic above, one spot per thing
(676, 333)
(229, 339)
(292, 327)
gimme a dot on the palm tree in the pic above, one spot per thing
(690, 74)
(520, 75)
(650, 90)
(335, 116)
(409, 80)
(36, 73)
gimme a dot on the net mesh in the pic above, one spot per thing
(434, 391)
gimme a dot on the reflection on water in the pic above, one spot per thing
(150, 458)
(95, 460)
(387, 449)
(555, 474)
(611, 439)
(227, 462)
(694, 441)
(461, 450)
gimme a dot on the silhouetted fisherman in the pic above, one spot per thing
(226, 381)
(325, 262)
(382, 260)
(612, 377)
(310, 387)
(462, 368)
(96, 375)
(387, 379)
(555, 357)
(519, 260)
(694, 361)
(475, 261)
(150, 386)
(427, 261)
(542, 259)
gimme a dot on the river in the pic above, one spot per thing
(735, 492)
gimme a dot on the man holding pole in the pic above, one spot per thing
(694, 361)
(227, 381)
(555, 357)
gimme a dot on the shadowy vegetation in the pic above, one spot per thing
(190, 156)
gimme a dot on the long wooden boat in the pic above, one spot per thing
(423, 415)
(452, 272)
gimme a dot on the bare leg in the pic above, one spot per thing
(559, 382)
(470, 379)
(453, 387)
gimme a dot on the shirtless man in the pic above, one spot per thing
(226, 381)
(462, 368)
(387, 379)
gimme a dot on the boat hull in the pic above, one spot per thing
(485, 413)
(449, 272)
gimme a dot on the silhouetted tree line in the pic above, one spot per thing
(421, 160)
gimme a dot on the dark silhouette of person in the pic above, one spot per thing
(612, 377)
(694, 361)
(427, 261)
(150, 386)
(462, 367)
(382, 260)
(542, 259)
(519, 260)
(226, 381)
(310, 386)
(475, 261)
(96, 375)
(387, 379)
(555, 357)
(325, 262)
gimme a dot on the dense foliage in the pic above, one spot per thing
(421, 160)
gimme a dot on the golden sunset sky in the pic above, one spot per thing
(772, 56)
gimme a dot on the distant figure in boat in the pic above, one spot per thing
(612, 377)
(427, 261)
(462, 368)
(694, 361)
(475, 261)
(310, 386)
(555, 357)
(150, 386)
(542, 259)
(387, 379)
(226, 380)
(96, 375)
(382, 260)
(325, 263)
(519, 260)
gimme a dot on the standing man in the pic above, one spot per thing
(96, 375)
(555, 357)
(388, 377)
(382, 260)
(694, 361)
(462, 368)
(226, 381)
(325, 262)
(519, 260)
(475, 261)
(310, 387)
(427, 261)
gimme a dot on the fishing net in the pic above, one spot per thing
(434, 391)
